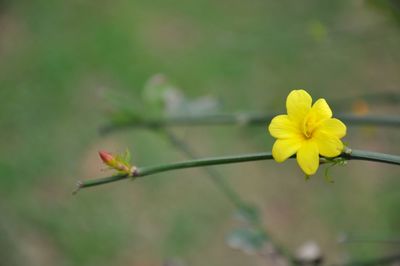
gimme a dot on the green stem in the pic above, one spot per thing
(150, 170)
(253, 119)
(373, 157)
(203, 162)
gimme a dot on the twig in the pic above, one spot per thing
(372, 156)
(253, 119)
(150, 170)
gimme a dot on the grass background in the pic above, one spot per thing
(57, 59)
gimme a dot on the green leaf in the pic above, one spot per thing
(127, 156)
(328, 178)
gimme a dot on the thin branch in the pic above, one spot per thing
(150, 170)
(372, 156)
(252, 119)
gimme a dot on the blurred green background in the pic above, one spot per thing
(59, 58)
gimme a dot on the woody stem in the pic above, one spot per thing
(150, 170)
(251, 119)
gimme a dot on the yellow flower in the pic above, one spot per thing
(308, 130)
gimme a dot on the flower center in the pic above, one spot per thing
(310, 123)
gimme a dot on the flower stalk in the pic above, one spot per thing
(151, 170)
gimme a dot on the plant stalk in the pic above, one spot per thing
(252, 119)
(150, 170)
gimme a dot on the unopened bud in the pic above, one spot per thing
(118, 163)
(107, 158)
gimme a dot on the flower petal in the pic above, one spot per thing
(321, 110)
(282, 127)
(298, 103)
(284, 148)
(333, 126)
(329, 145)
(308, 157)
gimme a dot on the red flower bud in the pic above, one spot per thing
(106, 157)
(118, 163)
